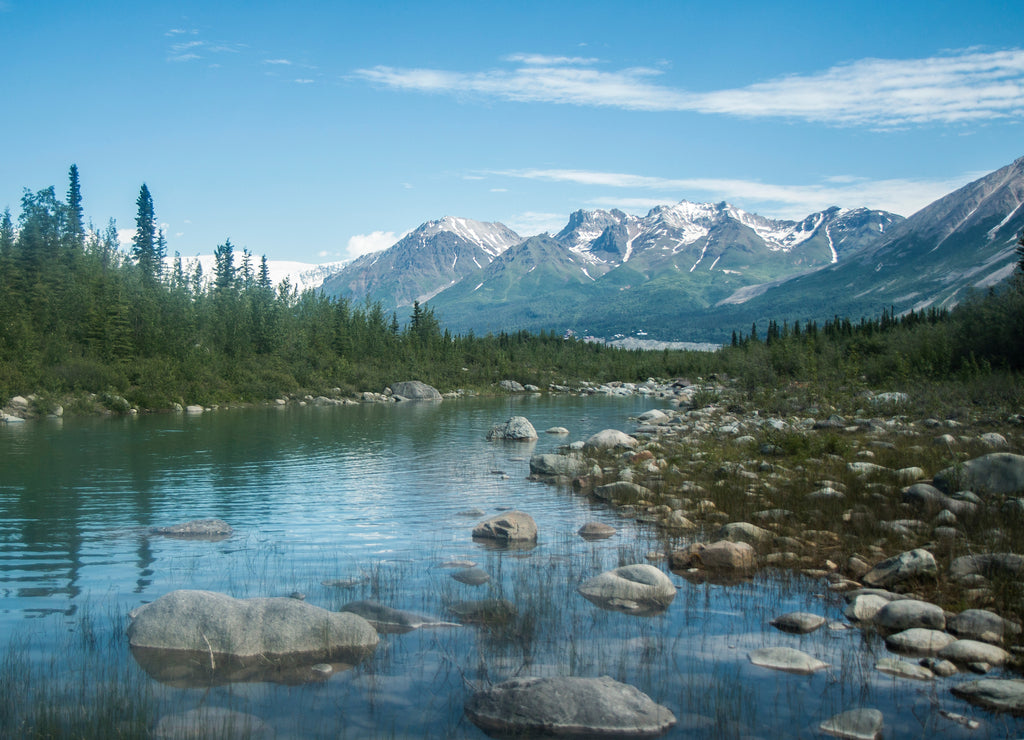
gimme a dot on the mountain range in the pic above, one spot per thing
(696, 271)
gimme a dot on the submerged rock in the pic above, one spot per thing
(786, 659)
(210, 721)
(568, 707)
(386, 619)
(904, 669)
(639, 588)
(798, 622)
(197, 529)
(488, 612)
(855, 724)
(1001, 695)
(472, 576)
(596, 531)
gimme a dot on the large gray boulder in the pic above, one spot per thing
(997, 473)
(998, 694)
(610, 439)
(918, 641)
(568, 707)
(553, 466)
(509, 527)
(911, 566)
(211, 623)
(623, 492)
(905, 614)
(965, 652)
(639, 588)
(414, 390)
(983, 625)
(989, 565)
(516, 428)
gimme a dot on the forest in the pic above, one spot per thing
(87, 324)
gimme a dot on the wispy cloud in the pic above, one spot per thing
(187, 51)
(903, 196)
(960, 86)
(549, 61)
(285, 62)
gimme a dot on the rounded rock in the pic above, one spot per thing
(568, 707)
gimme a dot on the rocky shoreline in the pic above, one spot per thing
(917, 522)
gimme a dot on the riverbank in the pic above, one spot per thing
(879, 503)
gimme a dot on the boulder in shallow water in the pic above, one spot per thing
(197, 529)
(509, 527)
(568, 707)
(1000, 695)
(596, 531)
(552, 466)
(187, 637)
(639, 588)
(855, 724)
(517, 428)
(414, 390)
(786, 659)
(209, 622)
(798, 622)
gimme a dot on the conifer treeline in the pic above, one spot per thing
(79, 315)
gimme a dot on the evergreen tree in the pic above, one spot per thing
(6, 233)
(224, 266)
(74, 228)
(1020, 254)
(144, 244)
(264, 275)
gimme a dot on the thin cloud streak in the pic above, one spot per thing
(958, 87)
(902, 196)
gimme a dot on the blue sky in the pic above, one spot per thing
(313, 131)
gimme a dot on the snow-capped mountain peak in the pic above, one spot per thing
(493, 238)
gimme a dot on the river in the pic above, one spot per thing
(381, 496)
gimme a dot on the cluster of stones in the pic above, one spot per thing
(928, 516)
(188, 637)
(20, 408)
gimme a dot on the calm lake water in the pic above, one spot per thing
(378, 494)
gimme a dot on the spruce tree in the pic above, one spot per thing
(144, 243)
(74, 227)
(6, 233)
